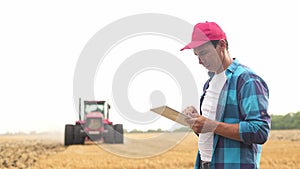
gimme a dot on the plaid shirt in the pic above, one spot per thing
(243, 100)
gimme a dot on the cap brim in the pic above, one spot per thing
(193, 44)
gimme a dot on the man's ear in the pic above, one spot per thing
(222, 43)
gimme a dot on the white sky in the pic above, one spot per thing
(40, 42)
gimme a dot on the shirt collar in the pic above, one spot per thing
(232, 67)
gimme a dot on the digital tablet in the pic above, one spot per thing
(171, 114)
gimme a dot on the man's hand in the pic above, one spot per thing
(201, 124)
(191, 111)
(198, 123)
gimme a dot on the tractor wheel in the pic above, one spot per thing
(78, 136)
(69, 134)
(119, 139)
(109, 134)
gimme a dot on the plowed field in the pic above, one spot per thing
(282, 151)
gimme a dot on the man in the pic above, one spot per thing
(233, 122)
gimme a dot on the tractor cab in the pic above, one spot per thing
(96, 113)
(94, 125)
(97, 106)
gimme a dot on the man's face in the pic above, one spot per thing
(209, 57)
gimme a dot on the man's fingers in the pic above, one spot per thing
(188, 111)
(190, 121)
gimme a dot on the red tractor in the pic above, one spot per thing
(95, 125)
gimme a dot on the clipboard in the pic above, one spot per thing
(171, 114)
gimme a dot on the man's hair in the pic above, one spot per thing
(215, 43)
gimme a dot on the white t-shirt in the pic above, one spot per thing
(208, 108)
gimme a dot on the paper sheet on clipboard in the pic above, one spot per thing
(171, 114)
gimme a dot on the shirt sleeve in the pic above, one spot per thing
(253, 104)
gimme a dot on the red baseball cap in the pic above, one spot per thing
(204, 32)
